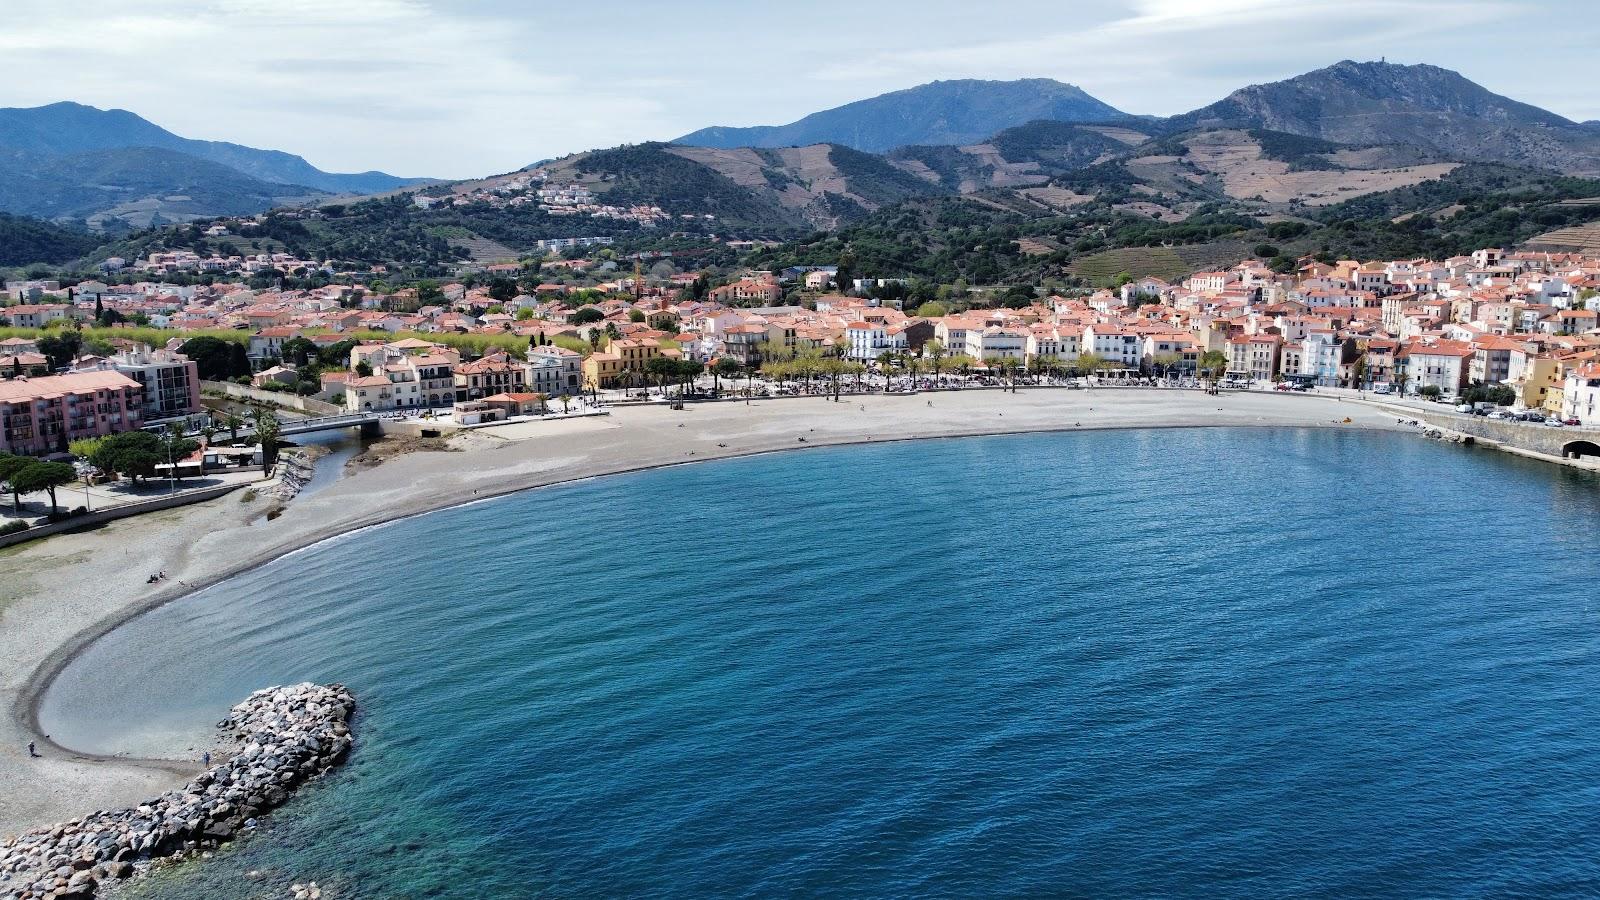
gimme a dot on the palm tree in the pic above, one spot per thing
(233, 423)
(1212, 363)
(267, 428)
(934, 350)
(886, 361)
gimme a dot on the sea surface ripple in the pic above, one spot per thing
(1227, 662)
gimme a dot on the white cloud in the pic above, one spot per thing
(1168, 56)
(461, 88)
(357, 84)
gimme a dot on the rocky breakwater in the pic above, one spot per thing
(278, 738)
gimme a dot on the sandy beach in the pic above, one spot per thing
(58, 594)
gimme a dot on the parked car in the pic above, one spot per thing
(1552, 423)
(1571, 421)
(1464, 408)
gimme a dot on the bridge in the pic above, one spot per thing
(366, 421)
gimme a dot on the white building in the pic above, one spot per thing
(1114, 345)
(1580, 398)
(996, 342)
(554, 371)
(1444, 366)
(869, 340)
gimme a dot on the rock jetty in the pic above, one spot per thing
(280, 737)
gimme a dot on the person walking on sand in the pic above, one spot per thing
(205, 759)
(32, 752)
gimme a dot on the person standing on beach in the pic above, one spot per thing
(205, 759)
(32, 752)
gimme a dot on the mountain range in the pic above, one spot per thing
(942, 112)
(1419, 105)
(71, 161)
(1031, 150)
(1324, 137)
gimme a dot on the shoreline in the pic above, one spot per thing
(632, 441)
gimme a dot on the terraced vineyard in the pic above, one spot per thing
(484, 250)
(1578, 238)
(1162, 262)
(1169, 263)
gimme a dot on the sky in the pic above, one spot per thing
(467, 88)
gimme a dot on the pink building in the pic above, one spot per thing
(43, 415)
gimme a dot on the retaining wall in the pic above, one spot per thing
(101, 516)
(1528, 436)
(273, 398)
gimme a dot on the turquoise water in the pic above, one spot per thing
(1176, 663)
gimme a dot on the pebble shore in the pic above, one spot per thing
(282, 737)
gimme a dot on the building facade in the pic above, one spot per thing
(44, 415)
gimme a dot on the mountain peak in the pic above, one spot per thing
(953, 112)
(1422, 106)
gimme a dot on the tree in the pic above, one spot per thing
(662, 368)
(43, 476)
(9, 466)
(213, 357)
(233, 423)
(177, 446)
(726, 367)
(132, 453)
(336, 355)
(1266, 251)
(502, 289)
(1088, 362)
(934, 350)
(238, 361)
(844, 278)
(267, 428)
(85, 448)
(585, 316)
(299, 351)
(1213, 363)
(62, 348)
(364, 369)
(687, 371)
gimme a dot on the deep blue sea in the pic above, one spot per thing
(1208, 663)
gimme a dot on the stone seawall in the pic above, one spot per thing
(1561, 443)
(280, 737)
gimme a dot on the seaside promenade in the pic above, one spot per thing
(60, 593)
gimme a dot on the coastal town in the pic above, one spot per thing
(434, 464)
(211, 375)
(1511, 330)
